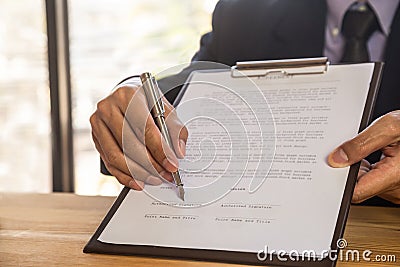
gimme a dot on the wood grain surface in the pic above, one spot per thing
(52, 229)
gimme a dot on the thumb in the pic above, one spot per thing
(381, 133)
(178, 132)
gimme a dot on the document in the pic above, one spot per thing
(255, 173)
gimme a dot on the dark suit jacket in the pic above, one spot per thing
(278, 29)
(281, 29)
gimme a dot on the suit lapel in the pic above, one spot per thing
(300, 28)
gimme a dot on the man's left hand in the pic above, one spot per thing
(382, 178)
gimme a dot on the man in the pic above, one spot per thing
(271, 29)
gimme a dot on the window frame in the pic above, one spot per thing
(60, 95)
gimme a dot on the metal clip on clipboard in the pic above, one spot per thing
(291, 67)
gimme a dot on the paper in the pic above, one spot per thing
(295, 207)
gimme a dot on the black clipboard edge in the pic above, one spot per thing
(95, 246)
(353, 172)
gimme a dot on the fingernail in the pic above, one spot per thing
(167, 176)
(340, 157)
(168, 162)
(182, 146)
(152, 180)
(134, 183)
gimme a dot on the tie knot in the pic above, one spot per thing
(359, 22)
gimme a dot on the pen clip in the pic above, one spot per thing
(153, 95)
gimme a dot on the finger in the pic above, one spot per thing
(135, 150)
(135, 170)
(141, 174)
(112, 154)
(365, 164)
(139, 118)
(378, 180)
(391, 150)
(111, 111)
(392, 196)
(125, 179)
(383, 132)
(361, 173)
(159, 149)
(128, 99)
(112, 116)
(114, 158)
(109, 118)
(132, 104)
(123, 96)
(179, 133)
(120, 176)
(141, 155)
(123, 164)
(364, 168)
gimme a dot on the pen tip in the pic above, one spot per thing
(181, 193)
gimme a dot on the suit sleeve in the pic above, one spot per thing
(172, 85)
(208, 43)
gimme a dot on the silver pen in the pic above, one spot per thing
(154, 100)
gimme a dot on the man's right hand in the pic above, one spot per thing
(147, 158)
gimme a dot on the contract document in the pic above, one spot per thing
(255, 173)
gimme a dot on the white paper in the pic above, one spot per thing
(297, 205)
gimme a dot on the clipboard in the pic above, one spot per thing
(256, 69)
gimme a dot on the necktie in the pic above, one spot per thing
(359, 23)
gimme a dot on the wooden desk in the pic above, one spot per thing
(51, 230)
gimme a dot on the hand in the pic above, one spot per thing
(379, 179)
(145, 158)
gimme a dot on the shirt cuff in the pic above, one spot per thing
(132, 81)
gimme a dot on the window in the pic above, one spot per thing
(110, 40)
(25, 140)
